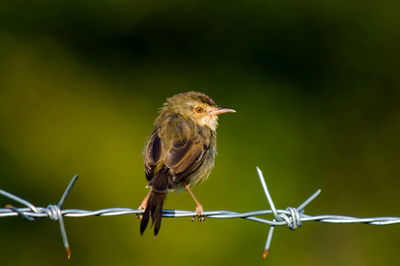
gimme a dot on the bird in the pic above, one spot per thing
(180, 152)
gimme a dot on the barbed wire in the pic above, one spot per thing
(290, 217)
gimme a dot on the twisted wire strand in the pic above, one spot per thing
(290, 217)
(223, 214)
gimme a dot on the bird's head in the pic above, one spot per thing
(196, 106)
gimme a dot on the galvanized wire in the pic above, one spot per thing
(290, 217)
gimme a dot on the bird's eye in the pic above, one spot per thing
(199, 109)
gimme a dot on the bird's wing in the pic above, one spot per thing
(152, 154)
(184, 158)
(178, 146)
(186, 150)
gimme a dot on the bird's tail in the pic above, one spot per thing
(153, 209)
(155, 203)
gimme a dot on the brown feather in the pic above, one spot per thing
(152, 154)
(180, 150)
(156, 201)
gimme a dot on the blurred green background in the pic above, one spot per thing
(316, 87)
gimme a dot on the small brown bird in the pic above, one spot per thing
(180, 152)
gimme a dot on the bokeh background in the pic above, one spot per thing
(316, 87)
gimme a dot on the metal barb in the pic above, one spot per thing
(18, 199)
(60, 217)
(308, 201)
(277, 217)
(266, 191)
(68, 190)
(291, 217)
(268, 242)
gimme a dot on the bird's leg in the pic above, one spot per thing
(143, 204)
(199, 207)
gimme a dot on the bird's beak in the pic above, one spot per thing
(222, 110)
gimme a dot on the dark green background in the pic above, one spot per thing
(316, 87)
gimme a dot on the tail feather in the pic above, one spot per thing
(154, 210)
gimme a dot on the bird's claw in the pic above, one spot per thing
(140, 215)
(199, 211)
(201, 218)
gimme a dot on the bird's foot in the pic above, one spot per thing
(141, 207)
(199, 211)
